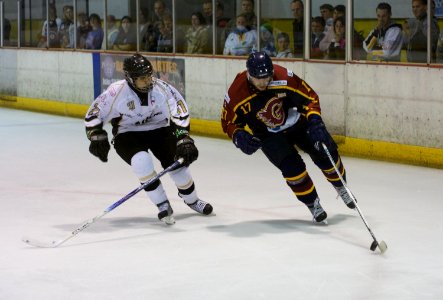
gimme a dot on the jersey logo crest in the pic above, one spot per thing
(272, 115)
(131, 105)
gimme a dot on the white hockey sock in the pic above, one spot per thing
(158, 195)
(183, 180)
(191, 198)
(143, 167)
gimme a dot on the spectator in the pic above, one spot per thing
(67, 27)
(317, 35)
(338, 11)
(160, 12)
(50, 31)
(83, 28)
(127, 35)
(197, 34)
(337, 48)
(283, 46)
(385, 41)
(415, 33)
(327, 12)
(94, 39)
(207, 11)
(148, 33)
(241, 40)
(222, 23)
(440, 49)
(267, 41)
(297, 9)
(112, 32)
(247, 10)
(164, 42)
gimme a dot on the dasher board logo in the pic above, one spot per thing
(171, 70)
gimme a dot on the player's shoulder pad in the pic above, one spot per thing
(115, 88)
(239, 87)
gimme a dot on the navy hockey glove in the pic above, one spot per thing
(99, 145)
(246, 142)
(318, 134)
(186, 149)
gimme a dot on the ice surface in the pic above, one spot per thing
(260, 244)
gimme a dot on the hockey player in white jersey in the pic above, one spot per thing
(148, 117)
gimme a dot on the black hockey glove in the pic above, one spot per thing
(99, 145)
(246, 142)
(186, 149)
(318, 134)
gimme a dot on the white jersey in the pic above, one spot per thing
(121, 106)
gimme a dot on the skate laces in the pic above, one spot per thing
(316, 209)
(164, 206)
(343, 194)
(198, 205)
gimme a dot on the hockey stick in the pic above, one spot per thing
(381, 245)
(86, 224)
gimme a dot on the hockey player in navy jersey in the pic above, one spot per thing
(149, 117)
(282, 111)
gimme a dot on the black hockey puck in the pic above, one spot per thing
(373, 246)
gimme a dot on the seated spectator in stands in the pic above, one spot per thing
(197, 35)
(385, 41)
(338, 11)
(50, 31)
(6, 31)
(241, 40)
(297, 9)
(327, 12)
(94, 39)
(415, 33)
(337, 48)
(207, 11)
(148, 33)
(222, 23)
(67, 27)
(160, 12)
(221, 20)
(112, 32)
(248, 11)
(283, 46)
(127, 35)
(164, 42)
(267, 41)
(317, 35)
(440, 49)
(83, 28)
(247, 8)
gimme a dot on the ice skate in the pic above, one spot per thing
(318, 213)
(343, 193)
(165, 214)
(201, 207)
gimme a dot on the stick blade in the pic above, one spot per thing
(39, 244)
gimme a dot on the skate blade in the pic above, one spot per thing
(169, 220)
(324, 222)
